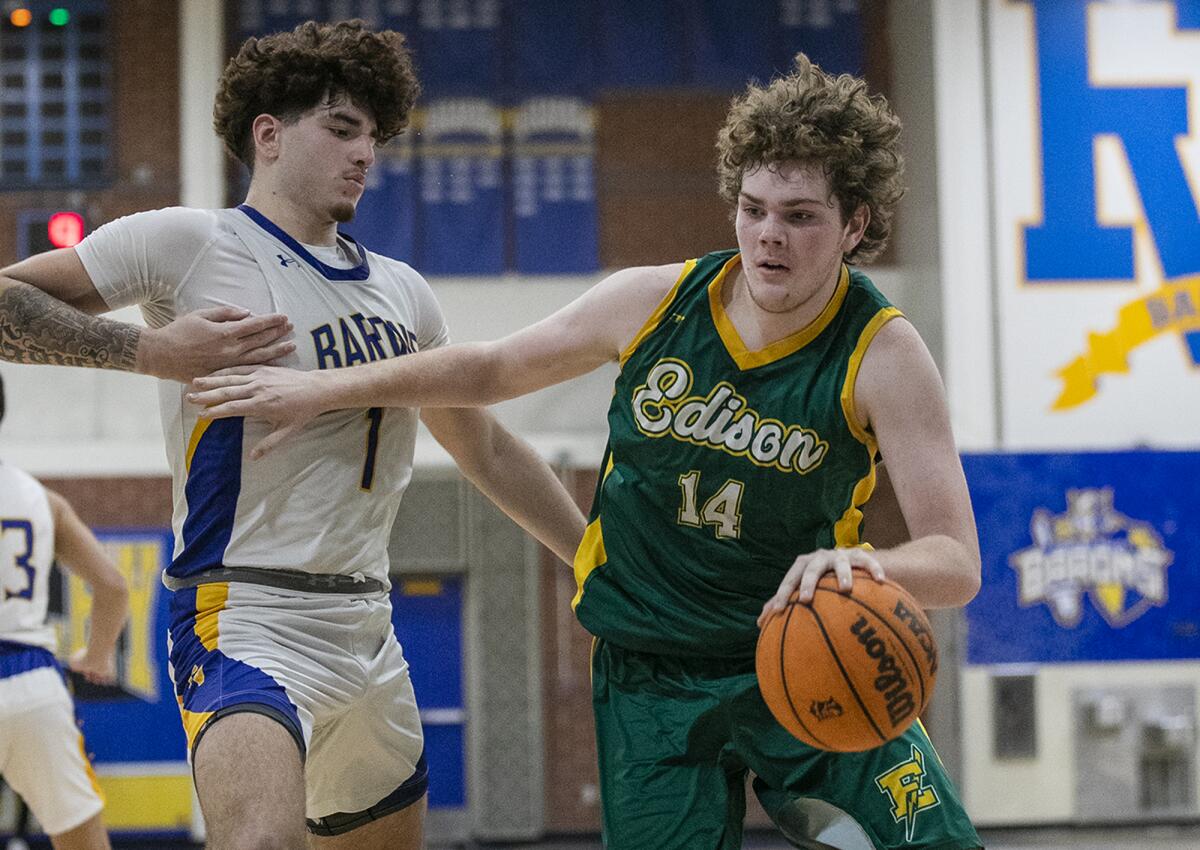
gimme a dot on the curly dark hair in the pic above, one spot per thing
(288, 73)
(813, 116)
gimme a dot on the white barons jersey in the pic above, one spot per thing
(26, 556)
(324, 501)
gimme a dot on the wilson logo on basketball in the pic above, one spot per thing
(826, 709)
(889, 681)
(916, 623)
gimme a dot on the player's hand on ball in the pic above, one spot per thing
(807, 570)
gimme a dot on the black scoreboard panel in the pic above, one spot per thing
(45, 230)
(55, 81)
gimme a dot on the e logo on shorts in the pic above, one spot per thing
(905, 786)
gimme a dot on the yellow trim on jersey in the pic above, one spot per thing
(91, 773)
(746, 359)
(210, 601)
(881, 318)
(657, 316)
(194, 440)
(921, 725)
(193, 721)
(590, 553)
(845, 530)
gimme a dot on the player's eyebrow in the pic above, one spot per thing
(343, 116)
(790, 202)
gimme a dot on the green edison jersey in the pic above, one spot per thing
(723, 465)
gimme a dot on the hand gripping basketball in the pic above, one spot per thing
(848, 671)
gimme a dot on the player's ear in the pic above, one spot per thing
(856, 227)
(265, 132)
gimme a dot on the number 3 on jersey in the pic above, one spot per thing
(722, 510)
(21, 560)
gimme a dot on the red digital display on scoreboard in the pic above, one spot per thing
(65, 229)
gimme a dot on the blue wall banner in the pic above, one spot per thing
(385, 221)
(551, 48)
(831, 34)
(461, 229)
(457, 47)
(554, 197)
(1086, 557)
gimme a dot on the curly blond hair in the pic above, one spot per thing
(830, 121)
(288, 73)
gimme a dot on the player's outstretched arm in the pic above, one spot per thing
(78, 550)
(899, 397)
(49, 315)
(508, 471)
(592, 330)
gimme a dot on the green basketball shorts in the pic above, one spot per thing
(676, 737)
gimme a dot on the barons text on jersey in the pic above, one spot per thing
(358, 339)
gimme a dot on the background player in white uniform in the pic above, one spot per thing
(41, 749)
(295, 694)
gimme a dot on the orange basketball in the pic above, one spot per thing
(848, 672)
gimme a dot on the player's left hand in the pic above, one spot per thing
(807, 570)
(98, 671)
(287, 398)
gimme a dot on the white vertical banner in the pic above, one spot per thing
(1095, 111)
(964, 237)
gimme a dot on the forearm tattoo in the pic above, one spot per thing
(38, 328)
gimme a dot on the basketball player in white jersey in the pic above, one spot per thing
(295, 694)
(41, 749)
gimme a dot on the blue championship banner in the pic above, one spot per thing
(554, 198)
(461, 230)
(1086, 557)
(385, 221)
(457, 45)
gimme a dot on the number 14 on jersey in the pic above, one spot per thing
(722, 509)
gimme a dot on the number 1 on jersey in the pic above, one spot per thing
(722, 510)
(374, 420)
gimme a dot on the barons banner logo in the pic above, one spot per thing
(1119, 562)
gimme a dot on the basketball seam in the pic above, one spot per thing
(787, 692)
(899, 639)
(883, 739)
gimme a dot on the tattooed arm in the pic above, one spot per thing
(48, 308)
(39, 328)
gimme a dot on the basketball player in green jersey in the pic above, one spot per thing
(757, 387)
